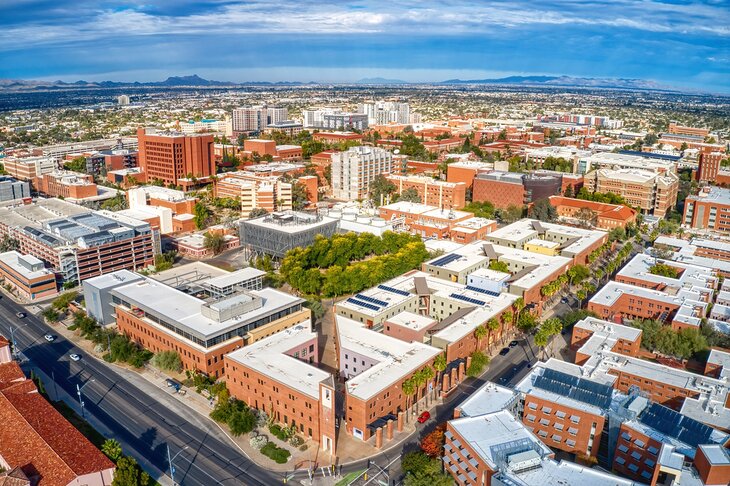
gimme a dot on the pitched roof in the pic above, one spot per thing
(40, 441)
(14, 477)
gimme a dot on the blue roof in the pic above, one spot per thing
(651, 155)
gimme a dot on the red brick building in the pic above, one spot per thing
(505, 189)
(607, 216)
(709, 166)
(710, 209)
(66, 184)
(337, 137)
(173, 157)
(448, 195)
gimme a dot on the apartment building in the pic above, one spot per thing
(709, 166)
(505, 189)
(254, 119)
(604, 216)
(700, 248)
(278, 375)
(591, 334)
(651, 192)
(175, 158)
(67, 184)
(79, 243)
(710, 209)
(385, 112)
(287, 127)
(442, 194)
(629, 160)
(204, 327)
(354, 170)
(37, 444)
(375, 366)
(27, 276)
(255, 191)
(112, 159)
(28, 168)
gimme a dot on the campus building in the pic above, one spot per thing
(710, 209)
(602, 215)
(505, 189)
(28, 168)
(11, 189)
(629, 160)
(255, 191)
(254, 119)
(67, 184)
(278, 375)
(27, 276)
(466, 171)
(199, 323)
(652, 192)
(354, 170)
(175, 158)
(78, 243)
(276, 233)
(444, 195)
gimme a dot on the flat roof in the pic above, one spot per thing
(466, 325)
(269, 357)
(489, 398)
(236, 277)
(112, 279)
(411, 320)
(567, 473)
(395, 358)
(605, 334)
(13, 260)
(712, 194)
(409, 207)
(717, 455)
(290, 221)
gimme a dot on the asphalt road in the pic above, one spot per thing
(136, 418)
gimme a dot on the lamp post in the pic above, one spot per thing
(78, 392)
(170, 459)
(12, 337)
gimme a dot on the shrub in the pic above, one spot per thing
(304, 447)
(258, 442)
(222, 411)
(241, 422)
(278, 432)
(478, 361)
(277, 454)
(167, 361)
(51, 315)
(296, 441)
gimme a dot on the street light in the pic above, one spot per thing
(12, 337)
(78, 392)
(169, 460)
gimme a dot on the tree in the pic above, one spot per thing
(409, 388)
(116, 203)
(479, 333)
(257, 213)
(78, 164)
(439, 364)
(433, 443)
(492, 325)
(510, 214)
(8, 243)
(380, 189)
(498, 266)
(526, 322)
(167, 361)
(112, 448)
(542, 210)
(664, 270)
(128, 473)
(241, 421)
(299, 196)
(478, 361)
(414, 461)
(317, 309)
(410, 195)
(480, 209)
(587, 217)
(650, 139)
(215, 242)
(577, 274)
(201, 213)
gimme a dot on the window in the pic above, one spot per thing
(636, 455)
(653, 450)
(532, 406)
(559, 426)
(544, 422)
(623, 448)
(575, 419)
(633, 467)
(620, 460)
(574, 431)
(557, 438)
(570, 442)
(560, 414)
(547, 410)
(650, 463)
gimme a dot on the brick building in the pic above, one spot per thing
(710, 209)
(67, 184)
(607, 216)
(337, 137)
(201, 331)
(709, 166)
(651, 192)
(444, 195)
(432, 222)
(28, 168)
(279, 375)
(27, 276)
(254, 191)
(682, 130)
(505, 189)
(175, 158)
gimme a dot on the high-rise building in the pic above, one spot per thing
(355, 169)
(257, 118)
(385, 112)
(334, 119)
(122, 100)
(652, 192)
(173, 157)
(710, 209)
(709, 166)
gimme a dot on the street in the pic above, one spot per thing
(144, 423)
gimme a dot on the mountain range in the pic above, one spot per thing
(196, 81)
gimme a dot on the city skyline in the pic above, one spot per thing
(332, 42)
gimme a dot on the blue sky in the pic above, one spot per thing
(675, 43)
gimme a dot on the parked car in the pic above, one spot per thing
(512, 344)
(49, 337)
(74, 357)
(504, 351)
(20, 315)
(173, 384)
(424, 417)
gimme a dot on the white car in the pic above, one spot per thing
(49, 337)
(20, 315)
(74, 357)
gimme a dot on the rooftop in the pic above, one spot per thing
(712, 194)
(28, 266)
(269, 357)
(396, 359)
(605, 334)
(489, 398)
(412, 321)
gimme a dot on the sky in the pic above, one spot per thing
(683, 44)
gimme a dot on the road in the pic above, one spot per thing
(139, 420)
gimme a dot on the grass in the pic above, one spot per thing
(80, 424)
(349, 478)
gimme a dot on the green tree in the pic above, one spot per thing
(128, 473)
(498, 266)
(479, 361)
(201, 214)
(542, 210)
(78, 164)
(510, 214)
(409, 388)
(299, 196)
(492, 325)
(257, 213)
(380, 189)
(112, 448)
(664, 270)
(410, 195)
(215, 242)
(480, 333)
(578, 273)
(439, 364)
(241, 421)
(481, 209)
(8, 243)
(167, 361)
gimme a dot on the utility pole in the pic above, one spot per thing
(78, 392)
(169, 460)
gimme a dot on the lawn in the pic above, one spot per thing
(349, 478)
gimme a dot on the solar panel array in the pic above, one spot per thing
(674, 424)
(363, 304)
(468, 299)
(580, 389)
(394, 290)
(482, 291)
(372, 300)
(445, 260)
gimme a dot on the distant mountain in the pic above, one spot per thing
(625, 83)
(381, 81)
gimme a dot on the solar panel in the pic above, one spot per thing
(394, 290)
(482, 291)
(575, 388)
(372, 300)
(468, 299)
(363, 304)
(445, 260)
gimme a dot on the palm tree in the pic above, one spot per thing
(518, 305)
(424, 376)
(507, 318)
(439, 364)
(408, 387)
(541, 340)
(492, 324)
(479, 333)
